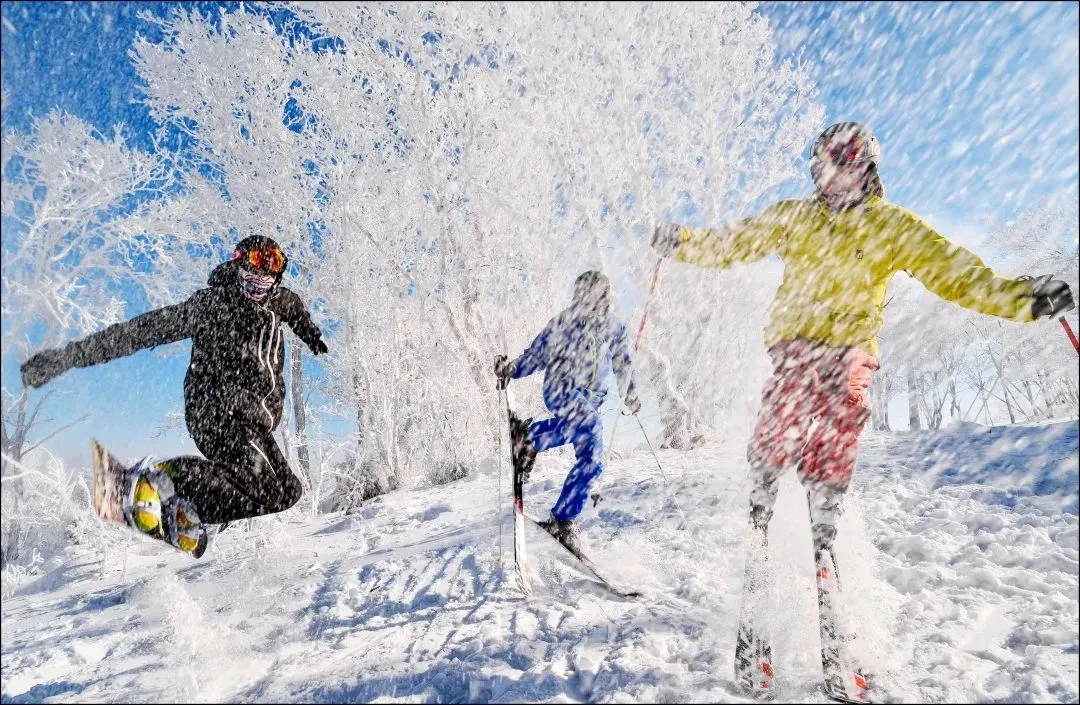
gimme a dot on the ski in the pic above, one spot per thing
(521, 563)
(842, 682)
(753, 652)
(588, 566)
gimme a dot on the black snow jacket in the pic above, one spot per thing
(237, 352)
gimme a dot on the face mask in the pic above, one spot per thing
(841, 187)
(597, 301)
(256, 285)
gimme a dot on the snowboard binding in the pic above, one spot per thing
(152, 506)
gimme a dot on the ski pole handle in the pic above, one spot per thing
(501, 378)
(1072, 336)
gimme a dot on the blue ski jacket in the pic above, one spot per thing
(578, 352)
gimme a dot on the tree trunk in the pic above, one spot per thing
(913, 399)
(12, 444)
(1008, 402)
(879, 407)
(1029, 392)
(1046, 394)
(296, 370)
(1004, 384)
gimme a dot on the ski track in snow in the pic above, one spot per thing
(960, 592)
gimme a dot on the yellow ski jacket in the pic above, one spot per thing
(837, 266)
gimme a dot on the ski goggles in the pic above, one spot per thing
(264, 259)
(846, 150)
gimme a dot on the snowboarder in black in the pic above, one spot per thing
(233, 391)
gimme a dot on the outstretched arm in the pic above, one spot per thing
(958, 275)
(747, 240)
(157, 327)
(297, 316)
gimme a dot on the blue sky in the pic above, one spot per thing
(975, 104)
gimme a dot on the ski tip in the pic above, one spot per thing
(862, 699)
(759, 693)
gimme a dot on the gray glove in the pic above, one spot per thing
(44, 366)
(502, 371)
(1050, 297)
(665, 239)
(632, 403)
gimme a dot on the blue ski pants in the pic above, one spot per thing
(578, 423)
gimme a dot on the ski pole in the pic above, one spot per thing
(499, 497)
(645, 313)
(671, 493)
(1072, 336)
(637, 341)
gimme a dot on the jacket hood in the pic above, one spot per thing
(223, 275)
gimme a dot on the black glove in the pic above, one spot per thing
(1050, 297)
(318, 347)
(665, 239)
(632, 403)
(502, 371)
(44, 366)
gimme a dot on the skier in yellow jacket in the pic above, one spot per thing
(840, 248)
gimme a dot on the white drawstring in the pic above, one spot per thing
(273, 379)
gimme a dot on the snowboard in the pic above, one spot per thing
(111, 493)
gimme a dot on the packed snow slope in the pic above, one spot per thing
(958, 554)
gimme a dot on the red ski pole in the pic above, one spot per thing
(1072, 336)
(645, 313)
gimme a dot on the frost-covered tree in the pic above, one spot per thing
(76, 205)
(644, 127)
(1043, 240)
(441, 173)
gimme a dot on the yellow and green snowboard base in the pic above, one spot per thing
(142, 497)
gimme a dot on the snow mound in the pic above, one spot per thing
(958, 554)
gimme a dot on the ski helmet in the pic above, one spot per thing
(261, 263)
(848, 144)
(592, 290)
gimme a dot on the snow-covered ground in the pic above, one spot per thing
(960, 592)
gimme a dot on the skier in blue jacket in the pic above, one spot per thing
(578, 349)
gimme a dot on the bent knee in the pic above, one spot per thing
(292, 492)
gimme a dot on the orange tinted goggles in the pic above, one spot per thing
(265, 259)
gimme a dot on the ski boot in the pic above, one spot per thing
(760, 517)
(151, 506)
(568, 533)
(522, 450)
